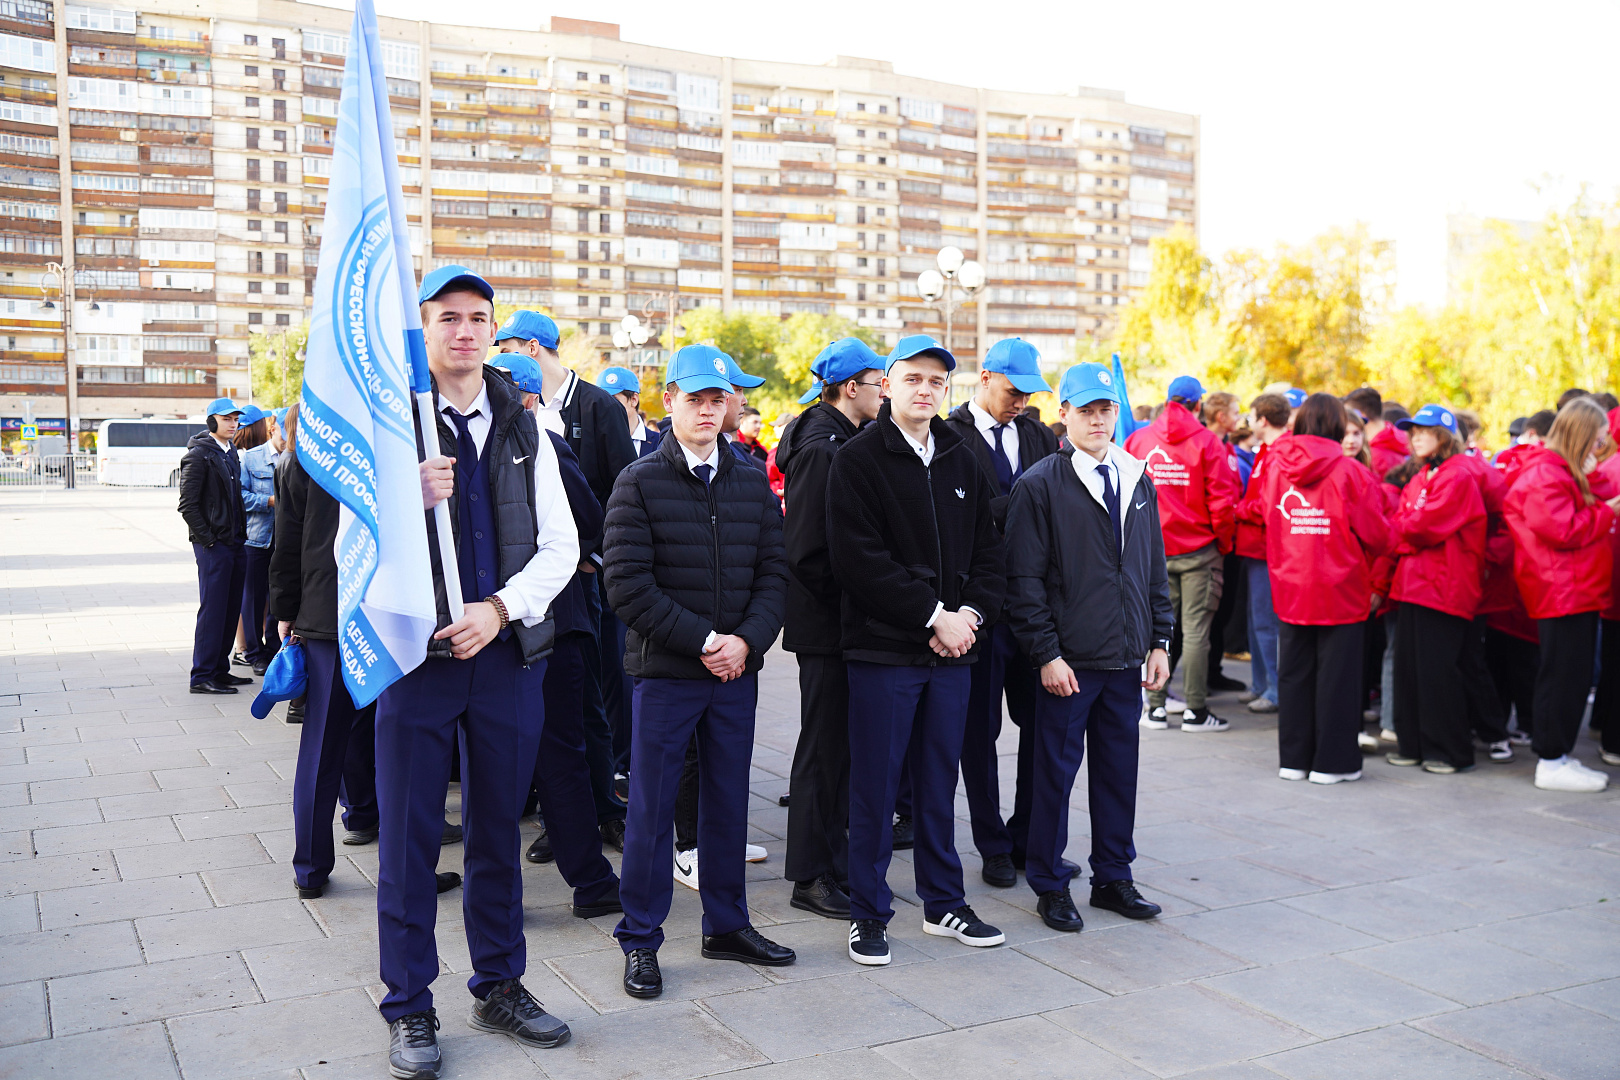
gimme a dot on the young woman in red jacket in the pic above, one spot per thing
(1440, 541)
(1564, 566)
(1324, 526)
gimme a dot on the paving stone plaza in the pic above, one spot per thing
(1407, 926)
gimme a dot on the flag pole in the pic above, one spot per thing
(431, 447)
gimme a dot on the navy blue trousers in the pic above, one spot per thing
(561, 780)
(221, 570)
(257, 627)
(1104, 714)
(336, 756)
(617, 687)
(598, 739)
(1001, 668)
(494, 707)
(664, 715)
(913, 715)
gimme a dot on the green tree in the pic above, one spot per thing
(276, 362)
(1175, 326)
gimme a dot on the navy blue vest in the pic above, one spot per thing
(478, 552)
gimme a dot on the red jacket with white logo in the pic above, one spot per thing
(1388, 449)
(1250, 541)
(1197, 479)
(1561, 558)
(1324, 526)
(1440, 540)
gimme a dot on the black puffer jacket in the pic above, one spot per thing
(683, 559)
(805, 455)
(904, 538)
(211, 493)
(303, 571)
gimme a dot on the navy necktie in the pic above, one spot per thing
(1004, 469)
(703, 473)
(1111, 500)
(466, 448)
(466, 464)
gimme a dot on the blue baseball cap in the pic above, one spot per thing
(1296, 397)
(1187, 388)
(223, 406)
(1085, 383)
(619, 380)
(699, 367)
(1429, 416)
(1020, 362)
(529, 326)
(843, 359)
(738, 376)
(914, 345)
(284, 679)
(525, 370)
(455, 274)
(280, 415)
(252, 415)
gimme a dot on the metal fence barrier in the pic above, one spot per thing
(61, 471)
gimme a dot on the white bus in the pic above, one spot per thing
(143, 453)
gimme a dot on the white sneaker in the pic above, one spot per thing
(1366, 743)
(1387, 735)
(686, 868)
(1567, 774)
(1262, 705)
(1500, 751)
(1609, 758)
(1291, 774)
(753, 853)
(1158, 719)
(1172, 705)
(1334, 777)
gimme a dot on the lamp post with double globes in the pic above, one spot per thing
(66, 284)
(956, 271)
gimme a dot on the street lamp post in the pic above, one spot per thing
(66, 289)
(956, 271)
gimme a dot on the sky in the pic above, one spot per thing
(1313, 114)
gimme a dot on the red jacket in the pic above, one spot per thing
(1250, 539)
(1388, 449)
(1324, 526)
(1605, 482)
(1197, 478)
(1497, 583)
(1561, 558)
(1440, 539)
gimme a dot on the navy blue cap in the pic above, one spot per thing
(223, 406)
(699, 367)
(1085, 383)
(455, 274)
(1429, 416)
(525, 370)
(739, 377)
(529, 326)
(843, 359)
(1187, 388)
(914, 345)
(284, 679)
(619, 380)
(1020, 362)
(1296, 397)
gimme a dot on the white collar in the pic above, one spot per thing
(224, 445)
(693, 461)
(480, 404)
(564, 392)
(983, 420)
(921, 447)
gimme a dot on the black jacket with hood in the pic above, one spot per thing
(805, 457)
(211, 493)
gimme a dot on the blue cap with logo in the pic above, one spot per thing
(1296, 397)
(455, 274)
(699, 367)
(1085, 383)
(1186, 388)
(529, 326)
(914, 345)
(739, 377)
(1429, 416)
(843, 359)
(525, 370)
(223, 406)
(619, 380)
(1020, 362)
(284, 679)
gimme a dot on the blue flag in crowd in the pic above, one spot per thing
(1127, 422)
(364, 359)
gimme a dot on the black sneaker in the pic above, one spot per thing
(240, 660)
(511, 1010)
(1202, 720)
(905, 833)
(998, 871)
(413, 1046)
(1122, 897)
(869, 942)
(1057, 910)
(621, 787)
(450, 835)
(612, 831)
(966, 927)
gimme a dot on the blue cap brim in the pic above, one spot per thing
(1028, 384)
(748, 382)
(1406, 423)
(1086, 397)
(263, 704)
(691, 384)
(502, 335)
(811, 394)
(479, 285)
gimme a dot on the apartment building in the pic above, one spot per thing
(174, 160)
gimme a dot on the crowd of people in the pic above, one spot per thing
(623, 582)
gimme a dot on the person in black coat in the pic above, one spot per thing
(694, 567)
(1005, 443)
(916, 552)
(211, 504)
(1088, 598)
(849, 377)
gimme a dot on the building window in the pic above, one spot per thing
(279, 171)
(605, 80)
(250, 102)
(255, 286)
(255, 318)
(582, 76)
(250, 70)
(250, 39)
(282, 288)
(606, 163)
(584, 250)
(281, 262)
(581, 103)
(606, 134)
(583, 133)
(583, 160)
(283, 319)
(604, 223)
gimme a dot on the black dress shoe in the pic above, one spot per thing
(905, 834)
(782, 799)
(1217, 681)
(308, 892)
(447, 880)
(749, 946)
(512, 1010)
(608, 905)
(821, 897)
(642, 979)
(1018, 859)
(295, 711)
(1122, 897)
(212, 688)
(450, 835)
(234, 680)
(998, 871)
(1057, 910)
(612, 831)
(359, 837)
(540, 851)
(260, 669)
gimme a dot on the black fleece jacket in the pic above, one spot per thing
(904, 538)
(805, 456)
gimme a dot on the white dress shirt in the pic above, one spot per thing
(529, 592)
(925, 451)
(987, 425)
(1090, 471)
(550, 412)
